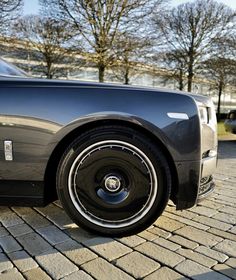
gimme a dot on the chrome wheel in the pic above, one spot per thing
(112, 184)
(113, 180)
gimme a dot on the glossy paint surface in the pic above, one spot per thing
(37, 114)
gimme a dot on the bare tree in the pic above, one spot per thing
(48, 40)
(175, 63)
(191, 28)
(129, 50)
(221, 67)
(9, 11)
(222, 71)
(99, 22)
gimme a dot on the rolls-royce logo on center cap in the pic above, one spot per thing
(112, 183)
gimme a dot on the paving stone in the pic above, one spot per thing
(49, 210)
(168, 224)
(10, 219)
(222, 202)
(185, 213)
(222, 233)
(5, 263)
(231, 262)
(213, 223)
(36, 274)
(148, 235)
(107, 247)
(160, 254)
(225, 198)
(165, 273)
(199, 236)
(220, 176)
(159, 232)
(188, 222)
(228, 210)
(220, 257)
(80, 234)
(233, 230)
(137, 265)
(210, 204)
(204, 211)
(226, 217)
(11, 274)
(32, 217)
(220, 199)
(58, 203)
(185, 243)
(22, 211)
(20, 229)
(131, 241)
(225, 191)
(198, 272)
(55, 264)
(166, 243)
(228, 247)
(5, 210)
(76, 252)
(34, 244)
(78, 275)
(3, 232)
(9, 244)
(226, 270)
(22, 261)
(53, 235)
(199, 258)
(56, 215)
(232, 179)
(151, 226)
(103, 270)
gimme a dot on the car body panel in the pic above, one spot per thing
(36, 115)
(43, 114)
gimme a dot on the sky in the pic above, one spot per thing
(230, 3)
(31, 6)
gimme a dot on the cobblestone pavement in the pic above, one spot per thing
(43, 243)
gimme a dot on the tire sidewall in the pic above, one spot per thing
(130, 136)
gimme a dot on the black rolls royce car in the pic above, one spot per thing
(114, 155)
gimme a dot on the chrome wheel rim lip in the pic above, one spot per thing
(90, 216)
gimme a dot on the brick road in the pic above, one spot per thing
(43, 243)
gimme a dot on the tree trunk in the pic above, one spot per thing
(190, 71)
(126, 75)
(190, 78)
(49, 74)
(181, 81)
(101, 72)
(220, 88)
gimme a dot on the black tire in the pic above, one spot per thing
(114, 181)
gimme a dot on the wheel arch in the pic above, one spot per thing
(55, 156)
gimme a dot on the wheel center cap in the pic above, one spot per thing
(112, 183)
